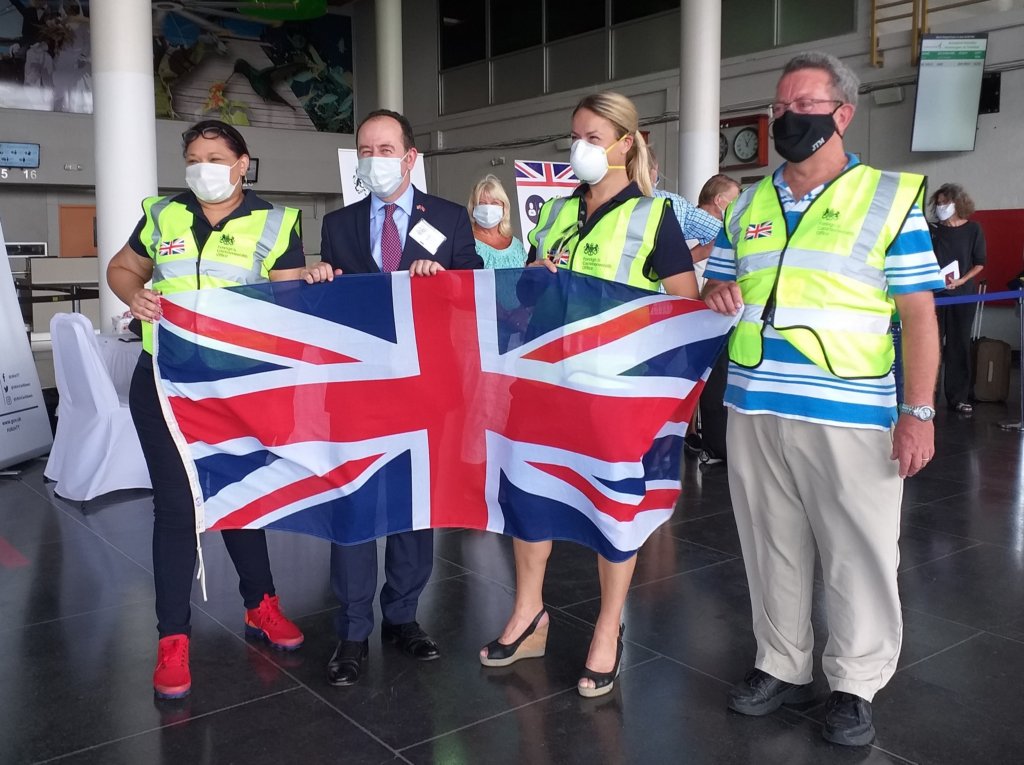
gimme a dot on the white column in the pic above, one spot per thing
(389, 54)
(124, 120)
(700, 74)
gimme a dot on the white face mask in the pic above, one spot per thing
(590, 162)
(945, 212)
(381, 175)
(210, 182)
(488, 216)
(721, 210)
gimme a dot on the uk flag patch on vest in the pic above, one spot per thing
(759, 230)
(174, 247)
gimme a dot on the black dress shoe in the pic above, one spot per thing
(411, 638)
(848, 720)
(346, 664)
(759, 694)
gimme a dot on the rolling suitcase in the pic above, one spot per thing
(990, 362)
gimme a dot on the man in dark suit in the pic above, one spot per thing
(397, 227)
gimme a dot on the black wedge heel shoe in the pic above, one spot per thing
(603, 681)
(530, 645)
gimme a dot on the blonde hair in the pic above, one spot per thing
(491, 184)
(621, 112)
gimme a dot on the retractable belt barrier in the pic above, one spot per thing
(988, 297)
(979, 298)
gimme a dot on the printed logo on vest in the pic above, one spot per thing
(174, 247)
(758, 230)
(591, 248)
(227, 239)
(830, 214)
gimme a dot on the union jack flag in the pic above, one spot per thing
(554, 174)
(174, 247)
(759, 230)
(560, 258)
(377, 404)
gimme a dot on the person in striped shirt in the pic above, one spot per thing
(814, 259)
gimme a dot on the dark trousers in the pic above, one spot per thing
(713, 414)
(408, 561)
(955, 331)
(174, 519)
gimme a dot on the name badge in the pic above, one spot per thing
(427, 237)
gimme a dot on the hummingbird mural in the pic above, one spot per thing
(263, 81)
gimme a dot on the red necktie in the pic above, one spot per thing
(390, 243)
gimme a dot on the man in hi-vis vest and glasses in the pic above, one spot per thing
(815, 259)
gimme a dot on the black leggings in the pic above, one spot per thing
(174, 520)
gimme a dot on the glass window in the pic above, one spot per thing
(747, 26)
(518, 76)
(463, 32)
(645, 46)
(627, 10)
(515, 25)
(573, 17)
(465, 88)
(578, 63)
(796, 25)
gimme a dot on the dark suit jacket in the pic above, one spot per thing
(345, 238)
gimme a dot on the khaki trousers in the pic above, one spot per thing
(799, 486)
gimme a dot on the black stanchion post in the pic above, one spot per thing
(1018, 424)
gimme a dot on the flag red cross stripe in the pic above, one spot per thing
(615, 329)
(253, 340)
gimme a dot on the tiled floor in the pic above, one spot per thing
(78, 630)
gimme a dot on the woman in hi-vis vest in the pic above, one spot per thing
(609, 227)
(213, 235)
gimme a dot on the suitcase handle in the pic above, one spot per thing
(979, 311)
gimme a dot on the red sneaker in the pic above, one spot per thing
(171, 678)
(267, 622)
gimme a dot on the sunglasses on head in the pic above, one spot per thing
(208, 132)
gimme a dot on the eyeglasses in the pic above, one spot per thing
(208, 132)
(801, 105)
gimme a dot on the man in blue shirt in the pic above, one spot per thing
(817, 458)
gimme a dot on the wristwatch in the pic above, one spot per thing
(922, 412)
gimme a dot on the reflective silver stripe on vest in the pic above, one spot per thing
(854, 265)
(634, 237)
(154, 215)
(739, 207)
(556, 209)
(843, 265)
(174, 270)
(878, 213)
(219, 270)
(212, 269)
(271, 230)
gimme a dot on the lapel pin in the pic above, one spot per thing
(421, 208)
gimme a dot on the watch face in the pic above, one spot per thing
(746, 144)
(723, 147)
(922, 412)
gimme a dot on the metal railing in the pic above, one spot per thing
(907, 15)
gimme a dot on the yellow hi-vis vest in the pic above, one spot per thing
(242, 252)
(823, 287)
(616, 248)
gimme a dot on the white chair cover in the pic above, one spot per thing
(96, 448)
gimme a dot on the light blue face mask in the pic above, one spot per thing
(488, 216)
